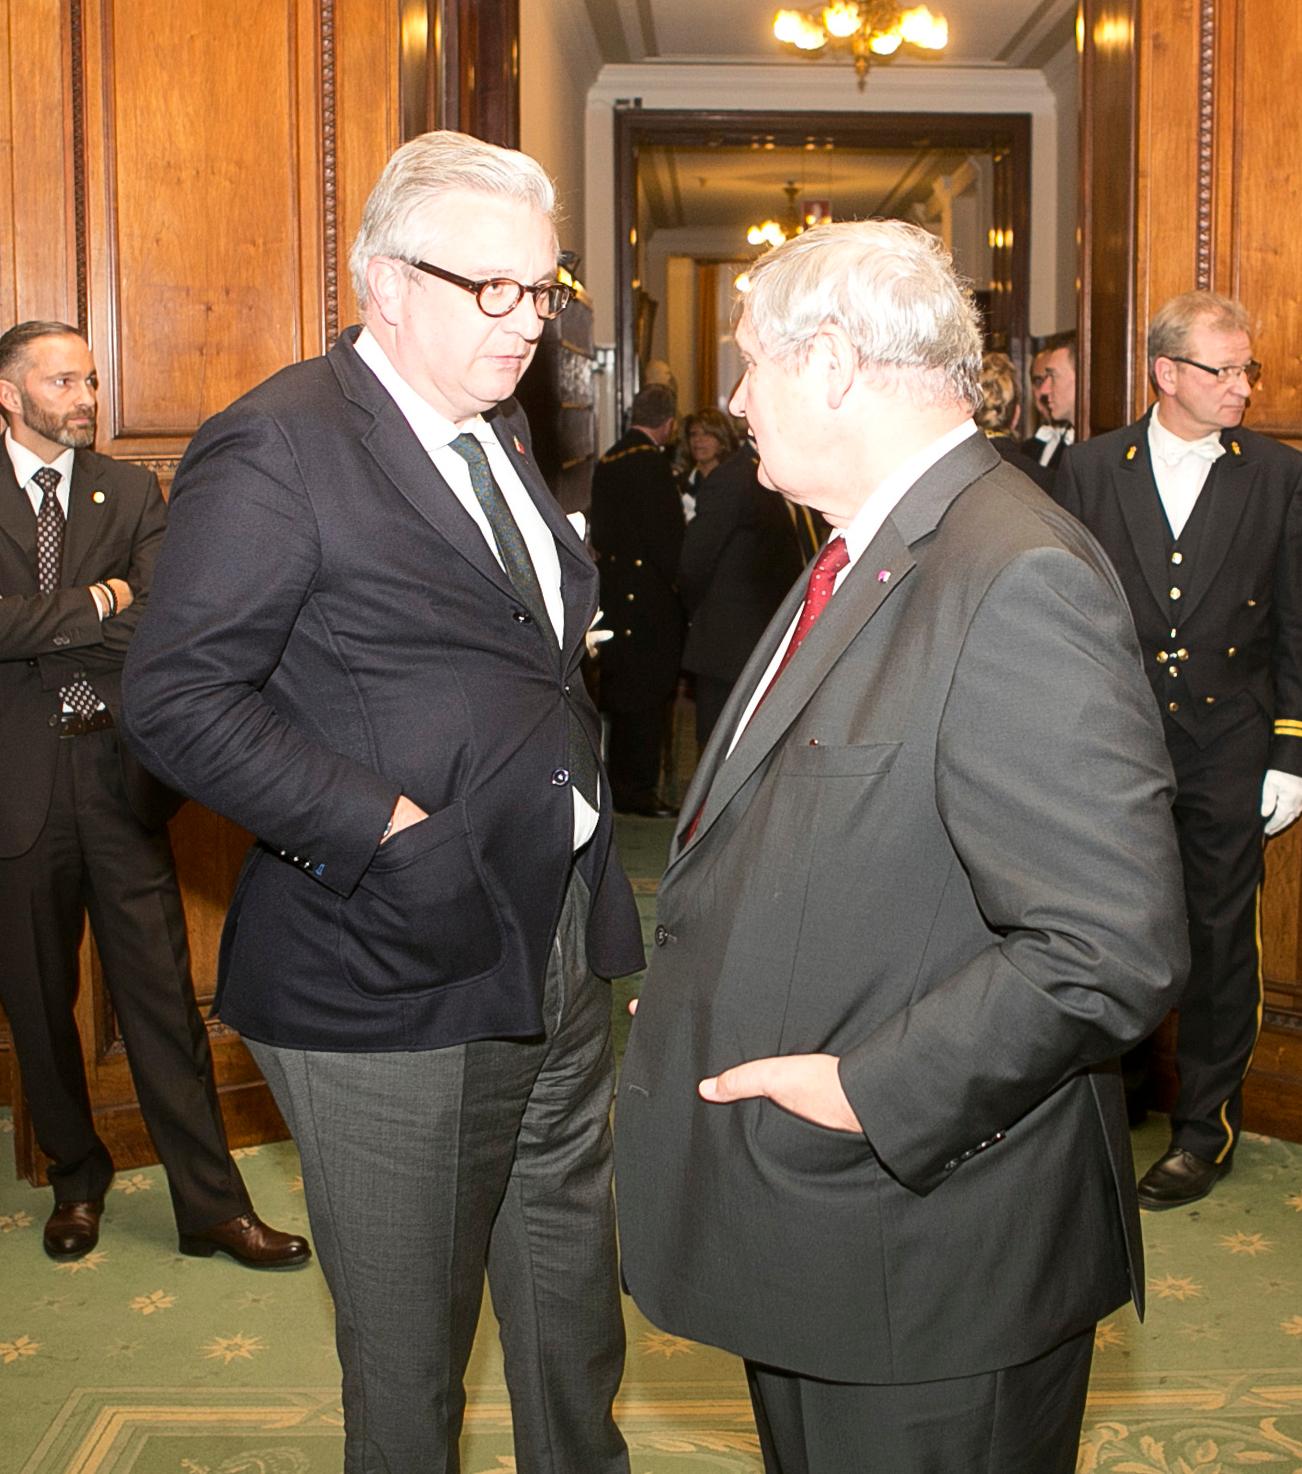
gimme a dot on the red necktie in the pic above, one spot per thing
(833, 557)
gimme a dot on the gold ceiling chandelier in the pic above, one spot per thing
(773, 232)
(868, 29)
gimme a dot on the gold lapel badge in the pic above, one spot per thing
(1131, 452)
(1234, 446)
(519, 448)
(97, 497)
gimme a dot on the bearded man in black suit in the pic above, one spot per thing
(83, 826)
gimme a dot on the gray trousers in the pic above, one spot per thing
(422, 1168)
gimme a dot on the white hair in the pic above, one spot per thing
(891, 287)
(397, 221)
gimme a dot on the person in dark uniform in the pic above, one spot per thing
(83, 827)
(1203, 521)
(637, 534)
(1000, 413)
(740, 556)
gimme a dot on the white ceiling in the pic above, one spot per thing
(1017, 33)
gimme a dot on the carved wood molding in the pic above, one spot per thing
(77, 58)
(1206, 129)
(329, 171)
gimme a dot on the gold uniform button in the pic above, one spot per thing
(1182, 653)
(1177, 557)
(1174, 592)
(630, 597)
(1232, 651)
(1162, 657)
(637, 562)
(1210, 700)
(1252, 603)
(1173, 706)
(1173, 670)
(1173, 634)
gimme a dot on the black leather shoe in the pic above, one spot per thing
(73, 1229)
(1179, 1178)
(249, 1240)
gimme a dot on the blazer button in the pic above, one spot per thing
(521, 616)
(661, 935)
(54, 719)
(561, 777)
(62, 640)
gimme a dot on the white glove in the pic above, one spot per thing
(1281, 799)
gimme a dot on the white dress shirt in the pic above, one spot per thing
(436, 434)
(27, 463)
(864, 526)
(1052, 437)
(1180, 468)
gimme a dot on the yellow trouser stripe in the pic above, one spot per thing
(1261, 1007)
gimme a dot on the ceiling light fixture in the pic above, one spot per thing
(870, 30)
(771, 233)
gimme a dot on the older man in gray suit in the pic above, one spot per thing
(871, 1134)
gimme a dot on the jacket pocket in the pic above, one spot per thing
(422, 916)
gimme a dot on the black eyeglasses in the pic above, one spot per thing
(499, 295)
(1251, 371)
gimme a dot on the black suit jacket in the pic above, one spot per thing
(329, 629)
(116, 518)
(637, 534)
(740, 556)
(1238, 647)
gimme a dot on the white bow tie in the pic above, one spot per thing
(1173, 450)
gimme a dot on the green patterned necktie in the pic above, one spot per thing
(524, 576)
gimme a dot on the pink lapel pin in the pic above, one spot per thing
(519, 447)
(883, 575)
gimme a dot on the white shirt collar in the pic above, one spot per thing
(27, 463)
(1172, 449)
(432, 429)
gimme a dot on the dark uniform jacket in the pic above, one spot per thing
(637, 535)
(740, 556)
(1218, 611)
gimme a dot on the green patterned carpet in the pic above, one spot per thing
(137, 1360)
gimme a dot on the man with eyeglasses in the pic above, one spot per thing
(364, 644)
(1203, 520)
(1053, 384)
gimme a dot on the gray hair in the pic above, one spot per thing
(396, 221)
(15, 343)
(891, 287)
(1168, 333)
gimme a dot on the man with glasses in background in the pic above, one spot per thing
(1203, 520)
(1053, 386)
(364, 645)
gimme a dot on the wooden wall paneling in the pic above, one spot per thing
(367, 121)
(204, 198)
(1108, 168)
(1258, 246)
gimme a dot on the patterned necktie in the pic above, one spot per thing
(818, 592)
(524, 576)
(49, 564)
(833, 557)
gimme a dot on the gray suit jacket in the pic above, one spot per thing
(942, 850)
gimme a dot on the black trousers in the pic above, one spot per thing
(636, 739)
(94, 858)
(1016, 1420)
(1219, 826)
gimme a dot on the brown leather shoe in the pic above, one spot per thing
(249, 1240)
(73, 1229)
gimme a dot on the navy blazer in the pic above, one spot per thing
(329, 629)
